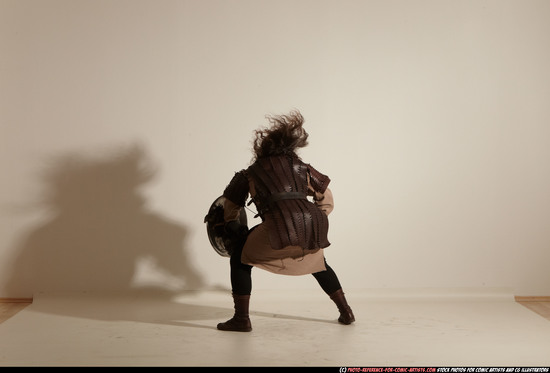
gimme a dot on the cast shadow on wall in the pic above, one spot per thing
(99, 230)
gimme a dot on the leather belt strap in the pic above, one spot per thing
(285, 195)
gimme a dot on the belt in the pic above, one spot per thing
(285, 195)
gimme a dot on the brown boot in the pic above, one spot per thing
(240, 321)
(346, 314)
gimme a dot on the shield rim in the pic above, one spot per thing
(218, 242)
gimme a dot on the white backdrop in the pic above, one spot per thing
(122, 120)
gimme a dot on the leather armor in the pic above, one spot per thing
(281, 190)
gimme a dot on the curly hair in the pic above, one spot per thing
(284, 136)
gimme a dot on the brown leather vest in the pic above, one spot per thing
(281, 186)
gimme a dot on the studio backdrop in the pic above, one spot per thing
(123, 120)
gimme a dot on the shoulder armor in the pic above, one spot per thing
(318, 181)
(237, 190)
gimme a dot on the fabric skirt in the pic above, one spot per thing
(291, 260)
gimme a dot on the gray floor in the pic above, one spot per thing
(290, 329)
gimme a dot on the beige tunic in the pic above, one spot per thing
(291, 260)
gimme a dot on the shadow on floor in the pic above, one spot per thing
(151, 306)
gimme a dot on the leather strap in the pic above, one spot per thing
(285, 195)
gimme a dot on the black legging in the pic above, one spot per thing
(241, 276)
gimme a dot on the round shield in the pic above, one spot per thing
(215, 223)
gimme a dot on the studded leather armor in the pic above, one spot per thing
(280, 191)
